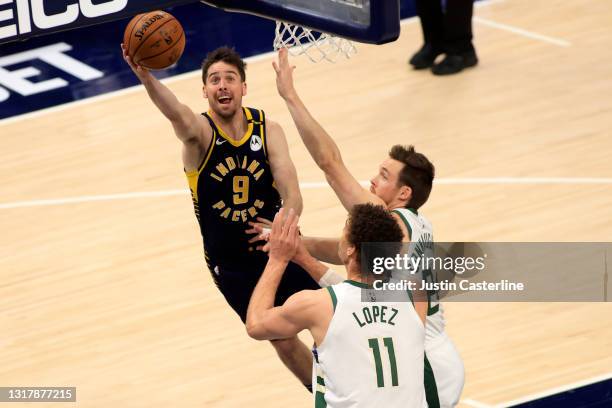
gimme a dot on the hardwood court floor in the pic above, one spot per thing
(113, 297)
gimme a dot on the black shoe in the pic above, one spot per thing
(425, 57)
(453, 63)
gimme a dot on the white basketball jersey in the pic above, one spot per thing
(421, 235)
(372, 354)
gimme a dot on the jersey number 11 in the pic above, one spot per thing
(388, 342)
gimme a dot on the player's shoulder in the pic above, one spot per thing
(273, 126)
(307, 298)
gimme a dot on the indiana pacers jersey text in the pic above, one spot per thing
(233, 185)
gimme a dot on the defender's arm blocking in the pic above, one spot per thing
(321, 146)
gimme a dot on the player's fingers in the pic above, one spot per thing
(277, 224)
(293, 233)
(285, 54)
(255, 228)
(263, 248)
(256, 238)
(275, 66)
(295, 227)
(264, 221)
(289, 222)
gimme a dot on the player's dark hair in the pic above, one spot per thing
(369, 223)
(418, 173)
(227, 55)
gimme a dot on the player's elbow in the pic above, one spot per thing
(328, 161)
(255, 330)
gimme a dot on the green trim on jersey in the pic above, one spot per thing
(333, 296)
(406, 223)
(431, 389)
(431, 310)
(358, 284)
(320, 396)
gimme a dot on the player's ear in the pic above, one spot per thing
(244, 88)
(405, 193)
(350, 250)
(204, 91)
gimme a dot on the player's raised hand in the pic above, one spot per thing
(140, 71)
(284, 236)
(284, 74)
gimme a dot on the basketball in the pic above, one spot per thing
(154, 40)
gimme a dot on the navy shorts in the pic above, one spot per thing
(237, 284)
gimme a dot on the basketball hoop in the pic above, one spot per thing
(317, 46)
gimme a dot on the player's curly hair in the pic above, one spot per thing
(227, 55)
(418, 173)
(369, 223)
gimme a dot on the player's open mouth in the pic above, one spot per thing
(224, 100)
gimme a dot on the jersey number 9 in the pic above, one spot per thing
(241, 189)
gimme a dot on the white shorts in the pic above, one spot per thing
(448, 370)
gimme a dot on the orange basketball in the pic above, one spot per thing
(154, 40)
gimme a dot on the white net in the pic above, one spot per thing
(315, 45)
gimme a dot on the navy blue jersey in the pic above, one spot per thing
(233, 185)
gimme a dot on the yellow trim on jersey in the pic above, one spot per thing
(192, 179)
(262, 131)
(247, 134)
(194, 175)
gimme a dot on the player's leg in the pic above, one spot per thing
(237, 288)
(460, 52)
(430, 14)
(297, 357)
(448, 371)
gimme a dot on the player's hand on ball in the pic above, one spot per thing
(284, 236)
(284, 74)
(140, 71)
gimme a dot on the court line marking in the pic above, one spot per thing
(555, 390)
(474, 403)
(168, 80)
(307, 186)
(525, 180)
(525, 33)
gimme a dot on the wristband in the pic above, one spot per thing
(330, 278)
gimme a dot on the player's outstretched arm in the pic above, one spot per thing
(321, 146)
(323, 249)
(189, 127)
(283, 169)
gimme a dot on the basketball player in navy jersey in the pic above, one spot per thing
(238, 167)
